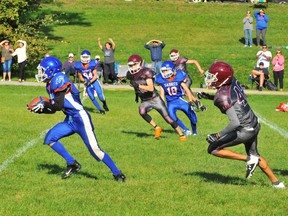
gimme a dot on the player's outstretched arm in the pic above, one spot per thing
(204, 95)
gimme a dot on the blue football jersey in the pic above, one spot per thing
(173, 89)
(87, 73)
(72, 101)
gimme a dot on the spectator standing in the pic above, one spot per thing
(278, 69)
(21, 58)
(109, 61)
(6, 50)
(264, 56)
(248, 28)
(261, 25)
(156, 53)
(68, 66)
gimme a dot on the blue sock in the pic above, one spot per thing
(109, 162)
(60, 149)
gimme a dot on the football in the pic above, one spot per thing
(35, 101)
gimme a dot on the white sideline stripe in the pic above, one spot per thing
(273, 126)
(21, 151)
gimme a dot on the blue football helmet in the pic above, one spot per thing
(85, 56)
(50, 66)
(167, 66)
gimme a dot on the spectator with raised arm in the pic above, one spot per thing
(261, 25)
(156, 53)
(6, 58)
(21, 58)
(109, 61)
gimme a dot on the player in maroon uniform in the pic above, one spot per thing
(243, 126)
(180, 64)
(142, 80)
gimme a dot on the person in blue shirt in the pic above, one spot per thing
(261, 25)
(64, 96)
(173, 88)
(87, 73)
(156, 53)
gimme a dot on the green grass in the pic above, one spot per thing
(164, 177)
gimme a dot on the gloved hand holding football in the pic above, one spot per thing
(36, 105)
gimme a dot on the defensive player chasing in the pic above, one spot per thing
(173, 87)
(142, 80)
(181, 64)
(87, 73)
(244, 125)
(65, 96)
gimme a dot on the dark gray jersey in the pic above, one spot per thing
(233, 95)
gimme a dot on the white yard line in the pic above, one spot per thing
(273, 126)
(21, 151)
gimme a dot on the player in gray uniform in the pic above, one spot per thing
(181, 64)
(142, 80)
(243, 126)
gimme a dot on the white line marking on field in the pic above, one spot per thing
(21, 151)
(273, 126)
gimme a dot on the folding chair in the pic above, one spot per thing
(121, 75)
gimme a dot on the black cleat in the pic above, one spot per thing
(105, 107)
(120, 177)
(102, 112)
(71, 169)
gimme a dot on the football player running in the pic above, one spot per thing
(87, 73)
(142, 80)
(243, 126)
(181, 64)
(173, 88)
(65, 96)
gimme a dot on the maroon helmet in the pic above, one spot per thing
(219, 73)
(174, 54)
(134, 63)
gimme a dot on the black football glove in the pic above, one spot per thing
(192, 105)
(86, 83)
(200, 106)
(204, 95)
(136, 98)
(211, 138)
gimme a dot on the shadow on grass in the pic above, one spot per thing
(281, 172)
(218, 178)
(141, 134)
(54, 169)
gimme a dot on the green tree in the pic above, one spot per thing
(22, 19)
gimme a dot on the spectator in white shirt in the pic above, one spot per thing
(22, 58)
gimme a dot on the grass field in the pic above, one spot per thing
(165, 176)
(205, 32)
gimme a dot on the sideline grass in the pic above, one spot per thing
(164, 177)
(204, 31)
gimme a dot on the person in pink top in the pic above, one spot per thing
(278, 69)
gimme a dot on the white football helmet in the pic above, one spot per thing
(174, 54)
(85, 56)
